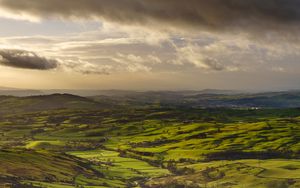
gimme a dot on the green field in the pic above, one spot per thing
(152, 147)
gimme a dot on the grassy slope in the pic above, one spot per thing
(30, 166)
(152, 147)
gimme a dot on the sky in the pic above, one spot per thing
(150, 44)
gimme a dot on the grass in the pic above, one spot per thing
(49, 145)
(114, 166)
(42, 166)
(151, 147)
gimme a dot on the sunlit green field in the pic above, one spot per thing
(151, 147)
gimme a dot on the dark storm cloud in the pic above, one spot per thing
(208, 14)
(26, 60)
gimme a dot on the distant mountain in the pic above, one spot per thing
(115, 93)
(208, 99)
(45, 100)
(20, 93)
(127, 93)
(220, 92)
(8, 91)
(6, 88)
(88, 93)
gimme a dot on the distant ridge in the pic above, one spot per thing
(19, 93)
(209, 98)
(7, 88)
(12, 104)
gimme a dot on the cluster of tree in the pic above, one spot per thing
(172, 167)
(156, 142)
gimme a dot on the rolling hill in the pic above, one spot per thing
(185, 99)
(149, 147)
(10, 104)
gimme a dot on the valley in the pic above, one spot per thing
(70, 141)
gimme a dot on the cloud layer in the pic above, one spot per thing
(212, 14)
(220, 41)
(30, 60)
(26, 60)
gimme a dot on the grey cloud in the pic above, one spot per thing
(26, 60)
(209, 14)
(213, 64)
(29, 60)
(86, 68)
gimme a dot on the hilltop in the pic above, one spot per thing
(10, 104)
